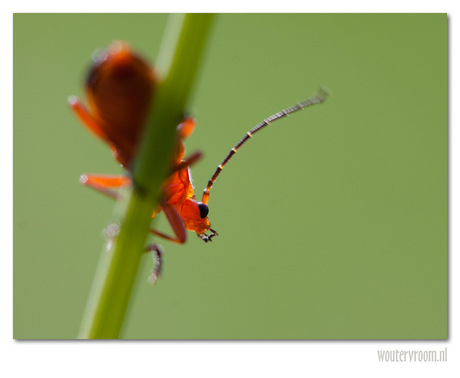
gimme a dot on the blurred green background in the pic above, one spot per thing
(332, 224)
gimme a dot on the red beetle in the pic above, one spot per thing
(120, 88)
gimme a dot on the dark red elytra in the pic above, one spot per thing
(119, 89)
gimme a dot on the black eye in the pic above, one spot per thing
(204, 210)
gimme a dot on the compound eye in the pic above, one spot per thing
(204, 210)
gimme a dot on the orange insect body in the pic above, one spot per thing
(120, 88)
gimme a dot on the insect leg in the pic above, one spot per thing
(83, 115)
(177, 224)
(105, 183)
(157, 253)
(186, 127)
(192, 159)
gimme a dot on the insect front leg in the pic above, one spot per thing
(177, 225)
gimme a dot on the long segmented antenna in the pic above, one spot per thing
(317, 99)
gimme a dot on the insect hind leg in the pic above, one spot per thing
(85, 117)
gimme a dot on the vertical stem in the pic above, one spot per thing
(179, 59)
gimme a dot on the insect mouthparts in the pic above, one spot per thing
(208, 238)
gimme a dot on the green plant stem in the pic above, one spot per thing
(179, 60)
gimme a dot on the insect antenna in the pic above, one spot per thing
(318, 98)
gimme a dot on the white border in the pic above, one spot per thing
(210, 359)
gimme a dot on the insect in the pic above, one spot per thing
(120, 87)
